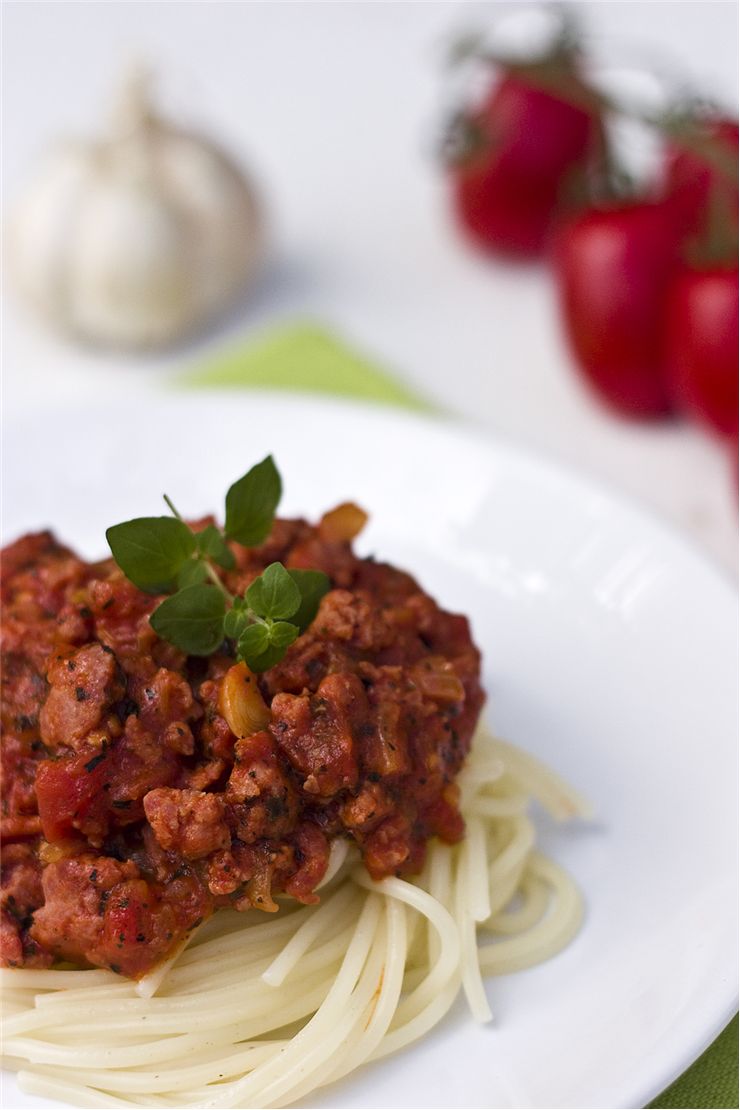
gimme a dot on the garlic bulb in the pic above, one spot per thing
(137, 239)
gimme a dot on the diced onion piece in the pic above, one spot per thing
(240, 702)
(342, 523)
(441, 685)
(62, 849)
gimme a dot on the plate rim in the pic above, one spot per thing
(541, 458)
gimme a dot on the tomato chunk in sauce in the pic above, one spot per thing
(131, 811)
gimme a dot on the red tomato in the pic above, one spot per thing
(526, 143)
(71, 797)
(613, 266)
(734, 466)
(691, 178)
(701, 346)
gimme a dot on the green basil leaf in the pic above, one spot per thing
(151, 550)
(274, 594)
(282, 634)
(269, 658)
(191, 573)
(253, 642)
(251, 503)
(192, 619)
(261, 646)
(236, 619)
(312, 584)
(211, 543)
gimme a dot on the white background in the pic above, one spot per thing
(335, 107)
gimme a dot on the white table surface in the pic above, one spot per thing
(335, 108)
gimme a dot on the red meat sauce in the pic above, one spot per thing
(131, 810)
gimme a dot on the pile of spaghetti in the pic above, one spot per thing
(255, 1013)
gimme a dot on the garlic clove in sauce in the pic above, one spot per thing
(139, 239)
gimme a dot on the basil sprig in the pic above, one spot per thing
(251, 503)
(164, 555)
(192, 619)
(152, 550)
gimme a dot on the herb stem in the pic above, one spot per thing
(217, 581)
(172, 508)
(209, 568)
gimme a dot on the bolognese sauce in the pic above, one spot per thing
(143, 788)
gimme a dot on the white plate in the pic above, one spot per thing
(610, 651)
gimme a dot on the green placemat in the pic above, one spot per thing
(306, 358)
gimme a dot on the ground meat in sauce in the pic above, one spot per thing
(130, 809)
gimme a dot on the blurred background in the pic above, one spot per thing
(337, 112)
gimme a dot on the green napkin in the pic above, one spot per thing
(306, 358)
(711, 1081)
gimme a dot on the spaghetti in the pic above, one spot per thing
(261, 1014)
